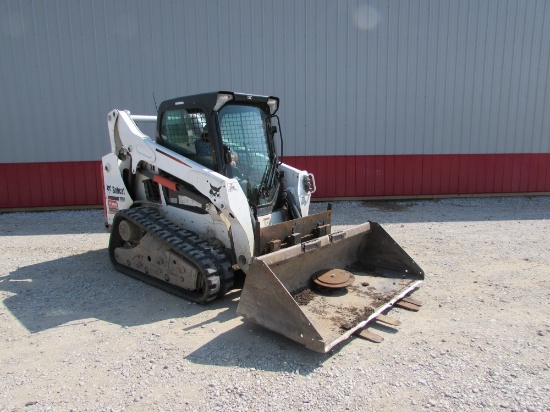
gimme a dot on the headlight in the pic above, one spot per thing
(273, 105)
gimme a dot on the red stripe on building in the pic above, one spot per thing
(79, 183)
(50, 184)
(426, 175)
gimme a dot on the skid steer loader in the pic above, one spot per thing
(209, 201)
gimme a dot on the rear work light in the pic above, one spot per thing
(222, 99)
(273, 105)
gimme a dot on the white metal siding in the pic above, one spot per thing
(354, 77)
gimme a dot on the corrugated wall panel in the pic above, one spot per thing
(427, 175)
(387, 77)
(50, 184)
(78, 183)
(356, 78)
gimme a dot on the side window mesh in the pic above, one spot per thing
(244, 134)
(185, 132)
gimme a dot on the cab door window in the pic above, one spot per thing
(185, 132)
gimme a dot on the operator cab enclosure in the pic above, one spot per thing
(230, 133)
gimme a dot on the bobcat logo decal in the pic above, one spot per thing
(215, 191)
(231, 187)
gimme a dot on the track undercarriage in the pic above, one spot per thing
(146, 246)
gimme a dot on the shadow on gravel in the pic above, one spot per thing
(83, 288)
(250, 346)
(349, 213)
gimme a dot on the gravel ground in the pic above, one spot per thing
(75, 334)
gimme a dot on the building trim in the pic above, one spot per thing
(66, 184)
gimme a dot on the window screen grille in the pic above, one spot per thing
(183, 127)
(243, 132)
(185, 132)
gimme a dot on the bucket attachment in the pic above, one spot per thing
(320, 292)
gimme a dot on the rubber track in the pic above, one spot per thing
(212, 262)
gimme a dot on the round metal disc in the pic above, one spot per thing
(333, 278)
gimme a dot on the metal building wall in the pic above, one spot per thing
(389, 97)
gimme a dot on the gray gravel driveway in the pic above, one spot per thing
(77, 335)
